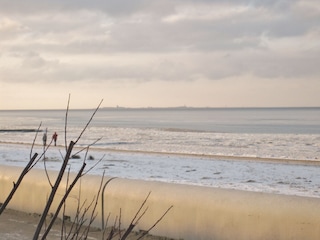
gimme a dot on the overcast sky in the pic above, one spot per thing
(159, 53)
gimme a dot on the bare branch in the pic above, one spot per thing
(143, 203)
(95, 206)
(66, 123)
(78, 218)
(53, 191)
(81, 220)
(89, 122)
(94, 165)
(45, 166)
(34, 139)
(63, 201)
(86, 147)
(112, 234)
(134, 221)
(63, 229)
(105, 226)
(42, 154)
(119, 224)
(16, 185)
(156, 223)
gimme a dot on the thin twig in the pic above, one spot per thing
(16, 185)
(95, 206)
(86, 172)
(77, 218)
(113, 228)
(144, 202)
(119, 224)
(63, 228)
(105, 226)
(66, 123)
(83, 130)
(61, 155)
(42, 155)
(156, 223)
(45, 166)
(53, 191)
(81, 220)
(134, 221)
(63, 201)
(81, 150)
(34, 139)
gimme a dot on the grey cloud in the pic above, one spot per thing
(67, 28)
(151, 34)
(171, 68)
(111, 7)
(126, 7)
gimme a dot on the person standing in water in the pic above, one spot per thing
(54, 138)
(44, 138)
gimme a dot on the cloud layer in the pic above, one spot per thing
(124, 46)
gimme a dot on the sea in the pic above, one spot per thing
(280, 133)
(274, 150)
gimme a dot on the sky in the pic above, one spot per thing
(152, 53)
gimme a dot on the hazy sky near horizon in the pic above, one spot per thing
(141, 53)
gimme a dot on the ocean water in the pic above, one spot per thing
(286, 133)
(200, 138)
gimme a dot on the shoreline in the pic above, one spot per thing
(306, 162)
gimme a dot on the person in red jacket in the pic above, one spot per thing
(54, 137)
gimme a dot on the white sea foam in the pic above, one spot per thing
(281, 178)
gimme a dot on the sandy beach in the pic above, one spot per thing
(16, 225)
(197, 213)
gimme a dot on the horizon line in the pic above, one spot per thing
(160, 108)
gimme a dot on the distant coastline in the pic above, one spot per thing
(201, 108)
(120, 108)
